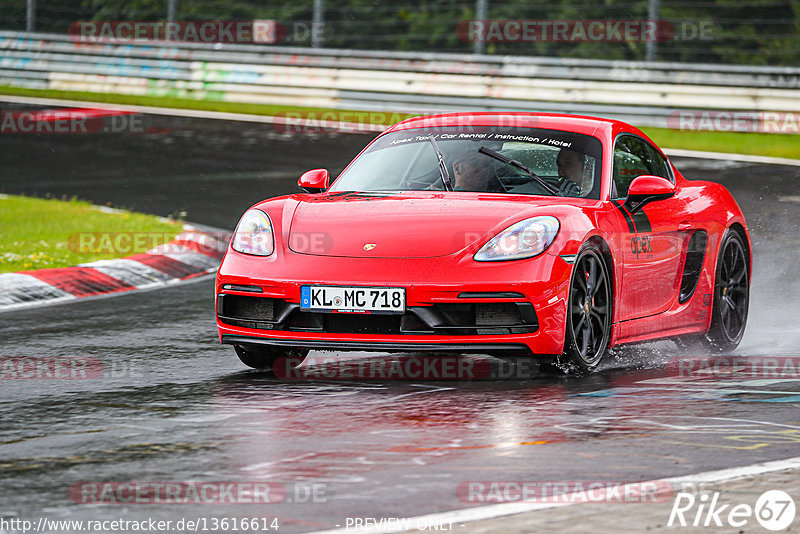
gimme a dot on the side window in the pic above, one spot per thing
(660, 165)
(634, 157)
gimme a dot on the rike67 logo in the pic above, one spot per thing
(774, 510)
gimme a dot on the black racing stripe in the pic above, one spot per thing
(642, 222)
(631, 227)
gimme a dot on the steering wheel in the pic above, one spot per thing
(421, 182)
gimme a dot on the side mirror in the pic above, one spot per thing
(315, 181)
(645, 189)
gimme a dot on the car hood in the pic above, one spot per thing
(403, 225)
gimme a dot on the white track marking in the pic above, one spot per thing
(505, 509)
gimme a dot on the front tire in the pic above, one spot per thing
(588, 312)
(731, 295)
(265, 358)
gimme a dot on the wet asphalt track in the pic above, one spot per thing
(172, 404)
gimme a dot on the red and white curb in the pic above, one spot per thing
(194, 252)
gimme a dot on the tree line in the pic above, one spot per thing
(746, 32)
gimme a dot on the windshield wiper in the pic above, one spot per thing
(448, 184)
(514, 163)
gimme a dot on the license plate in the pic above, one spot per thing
(353, 299)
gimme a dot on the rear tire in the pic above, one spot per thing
(731, 295)
(264, 358)
(589, 312)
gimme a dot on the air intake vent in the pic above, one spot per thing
(242, 307)
(695, 255)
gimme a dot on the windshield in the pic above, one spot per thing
(567, 163)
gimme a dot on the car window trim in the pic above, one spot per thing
(667, 162)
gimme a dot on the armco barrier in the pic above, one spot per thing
(641, 93)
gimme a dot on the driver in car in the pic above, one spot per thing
(475, 172)
(570, 164)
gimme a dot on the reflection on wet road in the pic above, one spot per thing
(164, 402)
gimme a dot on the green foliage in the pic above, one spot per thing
(41, 234)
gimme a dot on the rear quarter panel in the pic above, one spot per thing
(714, 210)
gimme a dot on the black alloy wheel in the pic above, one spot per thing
(589, 312)
(731, 295)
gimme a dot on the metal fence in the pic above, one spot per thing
(646, 94)
(754, 32)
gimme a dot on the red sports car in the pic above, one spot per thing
(510, 234)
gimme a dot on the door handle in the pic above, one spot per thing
(685, 226)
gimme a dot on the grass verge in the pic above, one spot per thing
(759, 144)
(762, 144)
(39, 234)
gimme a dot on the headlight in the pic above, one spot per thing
(524, 239)
(253, 234)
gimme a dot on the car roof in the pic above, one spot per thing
(552, 121)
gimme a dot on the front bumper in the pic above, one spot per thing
(379, 346)
(452, 304)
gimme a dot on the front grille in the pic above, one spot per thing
(361, 323)
(456, 319)
(482, 318)
(253, 312)
(495, 314)
(246, 307)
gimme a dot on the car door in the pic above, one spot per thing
(653, 247)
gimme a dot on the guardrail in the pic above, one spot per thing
(642, 93)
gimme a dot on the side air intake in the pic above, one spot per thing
(695, 255)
